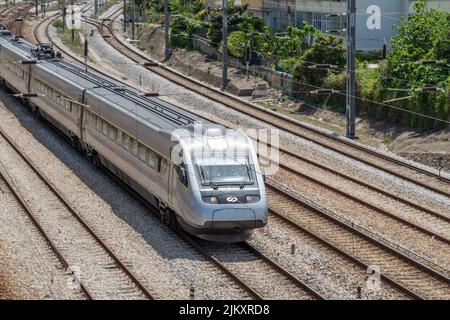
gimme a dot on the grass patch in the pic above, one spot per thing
(65, 35)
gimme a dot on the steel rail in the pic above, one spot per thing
(344, 253)
(389, 248)
(78, 217)
(221, 266)
(220, 96)
(38, 226)
(339, 191)
(316, 209)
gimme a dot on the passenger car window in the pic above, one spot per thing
(113, 133)
(119, 137)
(134, 147)
(183, 175)
(126, 142)
(105, 128)
(152, 159)
(142, 153)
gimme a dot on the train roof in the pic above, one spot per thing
(158, 112)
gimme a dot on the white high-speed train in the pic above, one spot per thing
(205, 178)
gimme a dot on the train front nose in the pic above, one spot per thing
(234, 218)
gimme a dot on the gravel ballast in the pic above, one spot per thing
(157, 257)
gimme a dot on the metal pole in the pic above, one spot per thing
(95, 7)
(85, 51)
(351, 75)
(225, 44)
(36, 7)
(64, 13)
(73, 22)
(278, 16)
(166, 29)
(124, 16)
(132, 24)
(248, 58)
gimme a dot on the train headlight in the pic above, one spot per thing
(251, 199)
(212, 200)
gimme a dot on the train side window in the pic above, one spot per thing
(105, 128)
(126, 142)
(142, 153)
(152, 159)
(134, 147)
(94, 120)
(119, 137)
(183, 175)
(113, 133)
(99, 124)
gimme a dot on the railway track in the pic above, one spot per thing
(411, 268)
(23, 206)
(18, 15)
(380, 161)
(296, 287)
(400, 270)
(407, 212)
(69, 236)
(413, 214)
(253, 271)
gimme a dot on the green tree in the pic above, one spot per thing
(424, 35)
(238, 20)
(237, 43)
(182, 27)
(326, 50)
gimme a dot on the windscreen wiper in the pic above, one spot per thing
(212, 184)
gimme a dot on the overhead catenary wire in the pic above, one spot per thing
(377, 102)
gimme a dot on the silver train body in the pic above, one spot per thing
(205, 179)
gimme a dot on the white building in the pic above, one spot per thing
(375, 23)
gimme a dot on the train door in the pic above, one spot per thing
(180, 193)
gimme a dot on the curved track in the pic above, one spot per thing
(395, 210)
(383, 162)
(404, 287)
(15, 16)
(412, 210)
(296, 287)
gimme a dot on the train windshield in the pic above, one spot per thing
(220, 169)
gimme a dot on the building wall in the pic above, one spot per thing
(316, 13)
(282, 13)
(391, 13)
(279, 13)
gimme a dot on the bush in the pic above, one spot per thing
(182, 29)
(58, 23)
(327, 49)
(369, 56)
(337, 81)
(288, 64)
(238, 20)
(423, 36)
(237, 43)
